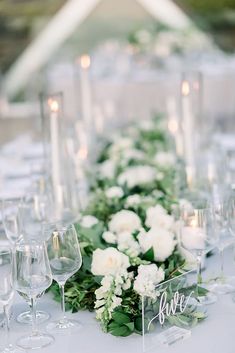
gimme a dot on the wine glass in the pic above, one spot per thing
(33, 214)
(10, 211)
(197, 236)
(65, 260)
(221, 208)
(32, 276)
(7, 293)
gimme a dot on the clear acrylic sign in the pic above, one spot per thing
(169, 316)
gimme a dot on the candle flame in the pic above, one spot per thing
(173, 126)
(85, 61)
(53, 104)
(193, 223)
(82, 153)
(185, 88)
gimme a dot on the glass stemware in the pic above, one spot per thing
(32, 277)
(7, 293)
(10, 212)
(221, 207)
(65, 260)
(32, 214)
(197, 237)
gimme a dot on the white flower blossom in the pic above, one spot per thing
(108, 296)
(99, 312)
(109, 237)
(165, 159)
(147, 279)
(107, 169)
(109, 261)
(157, 217)
(116, 301)
(133, 153)
(114, 191)
(161, 240)
(137, 175)
(128, 244)
(124, 220)
(120, 145)
(133, 200)
(89, 221)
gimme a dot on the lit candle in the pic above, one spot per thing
(188, 120)
(55, 156)
(193, 237)
(173, 125)
(85, 63)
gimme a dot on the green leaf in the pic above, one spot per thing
(131, 326)
(149, 255)
(120, 317)
(113, 326)
(199, 315)
(122, 331)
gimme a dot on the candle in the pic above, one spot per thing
(85, 63)
(55, 156)
(188, 120)
(193, 237)
(173, 125)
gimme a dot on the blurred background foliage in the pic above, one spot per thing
(21, 20)
(214, 16)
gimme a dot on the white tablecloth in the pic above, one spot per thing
(215, 335)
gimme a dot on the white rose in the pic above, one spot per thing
(127, 243)
(109, 261)
(120, 145)
(165, 159)
(107, 169)
(89, 221)
(133, 200)
(157, 217)
(137, 175)
(114, 191)
(161, 240)
(109, 237)
(133, 153)
(124, 221)
(147, 279)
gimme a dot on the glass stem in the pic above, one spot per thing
(199, 268)
(33, 313)
(7, 323)
(221, 254)
(62, 301)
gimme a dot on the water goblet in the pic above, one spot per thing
(32, 276)
(222, 207)
(7, 293)
(65, 260)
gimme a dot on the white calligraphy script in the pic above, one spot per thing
(179, 301)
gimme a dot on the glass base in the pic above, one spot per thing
(35, 341)
(12, 349)
(26, 317)
(223, 285)
(172, 335)
(208, 299)
(64, 325)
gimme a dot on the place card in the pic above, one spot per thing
(168, 315)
